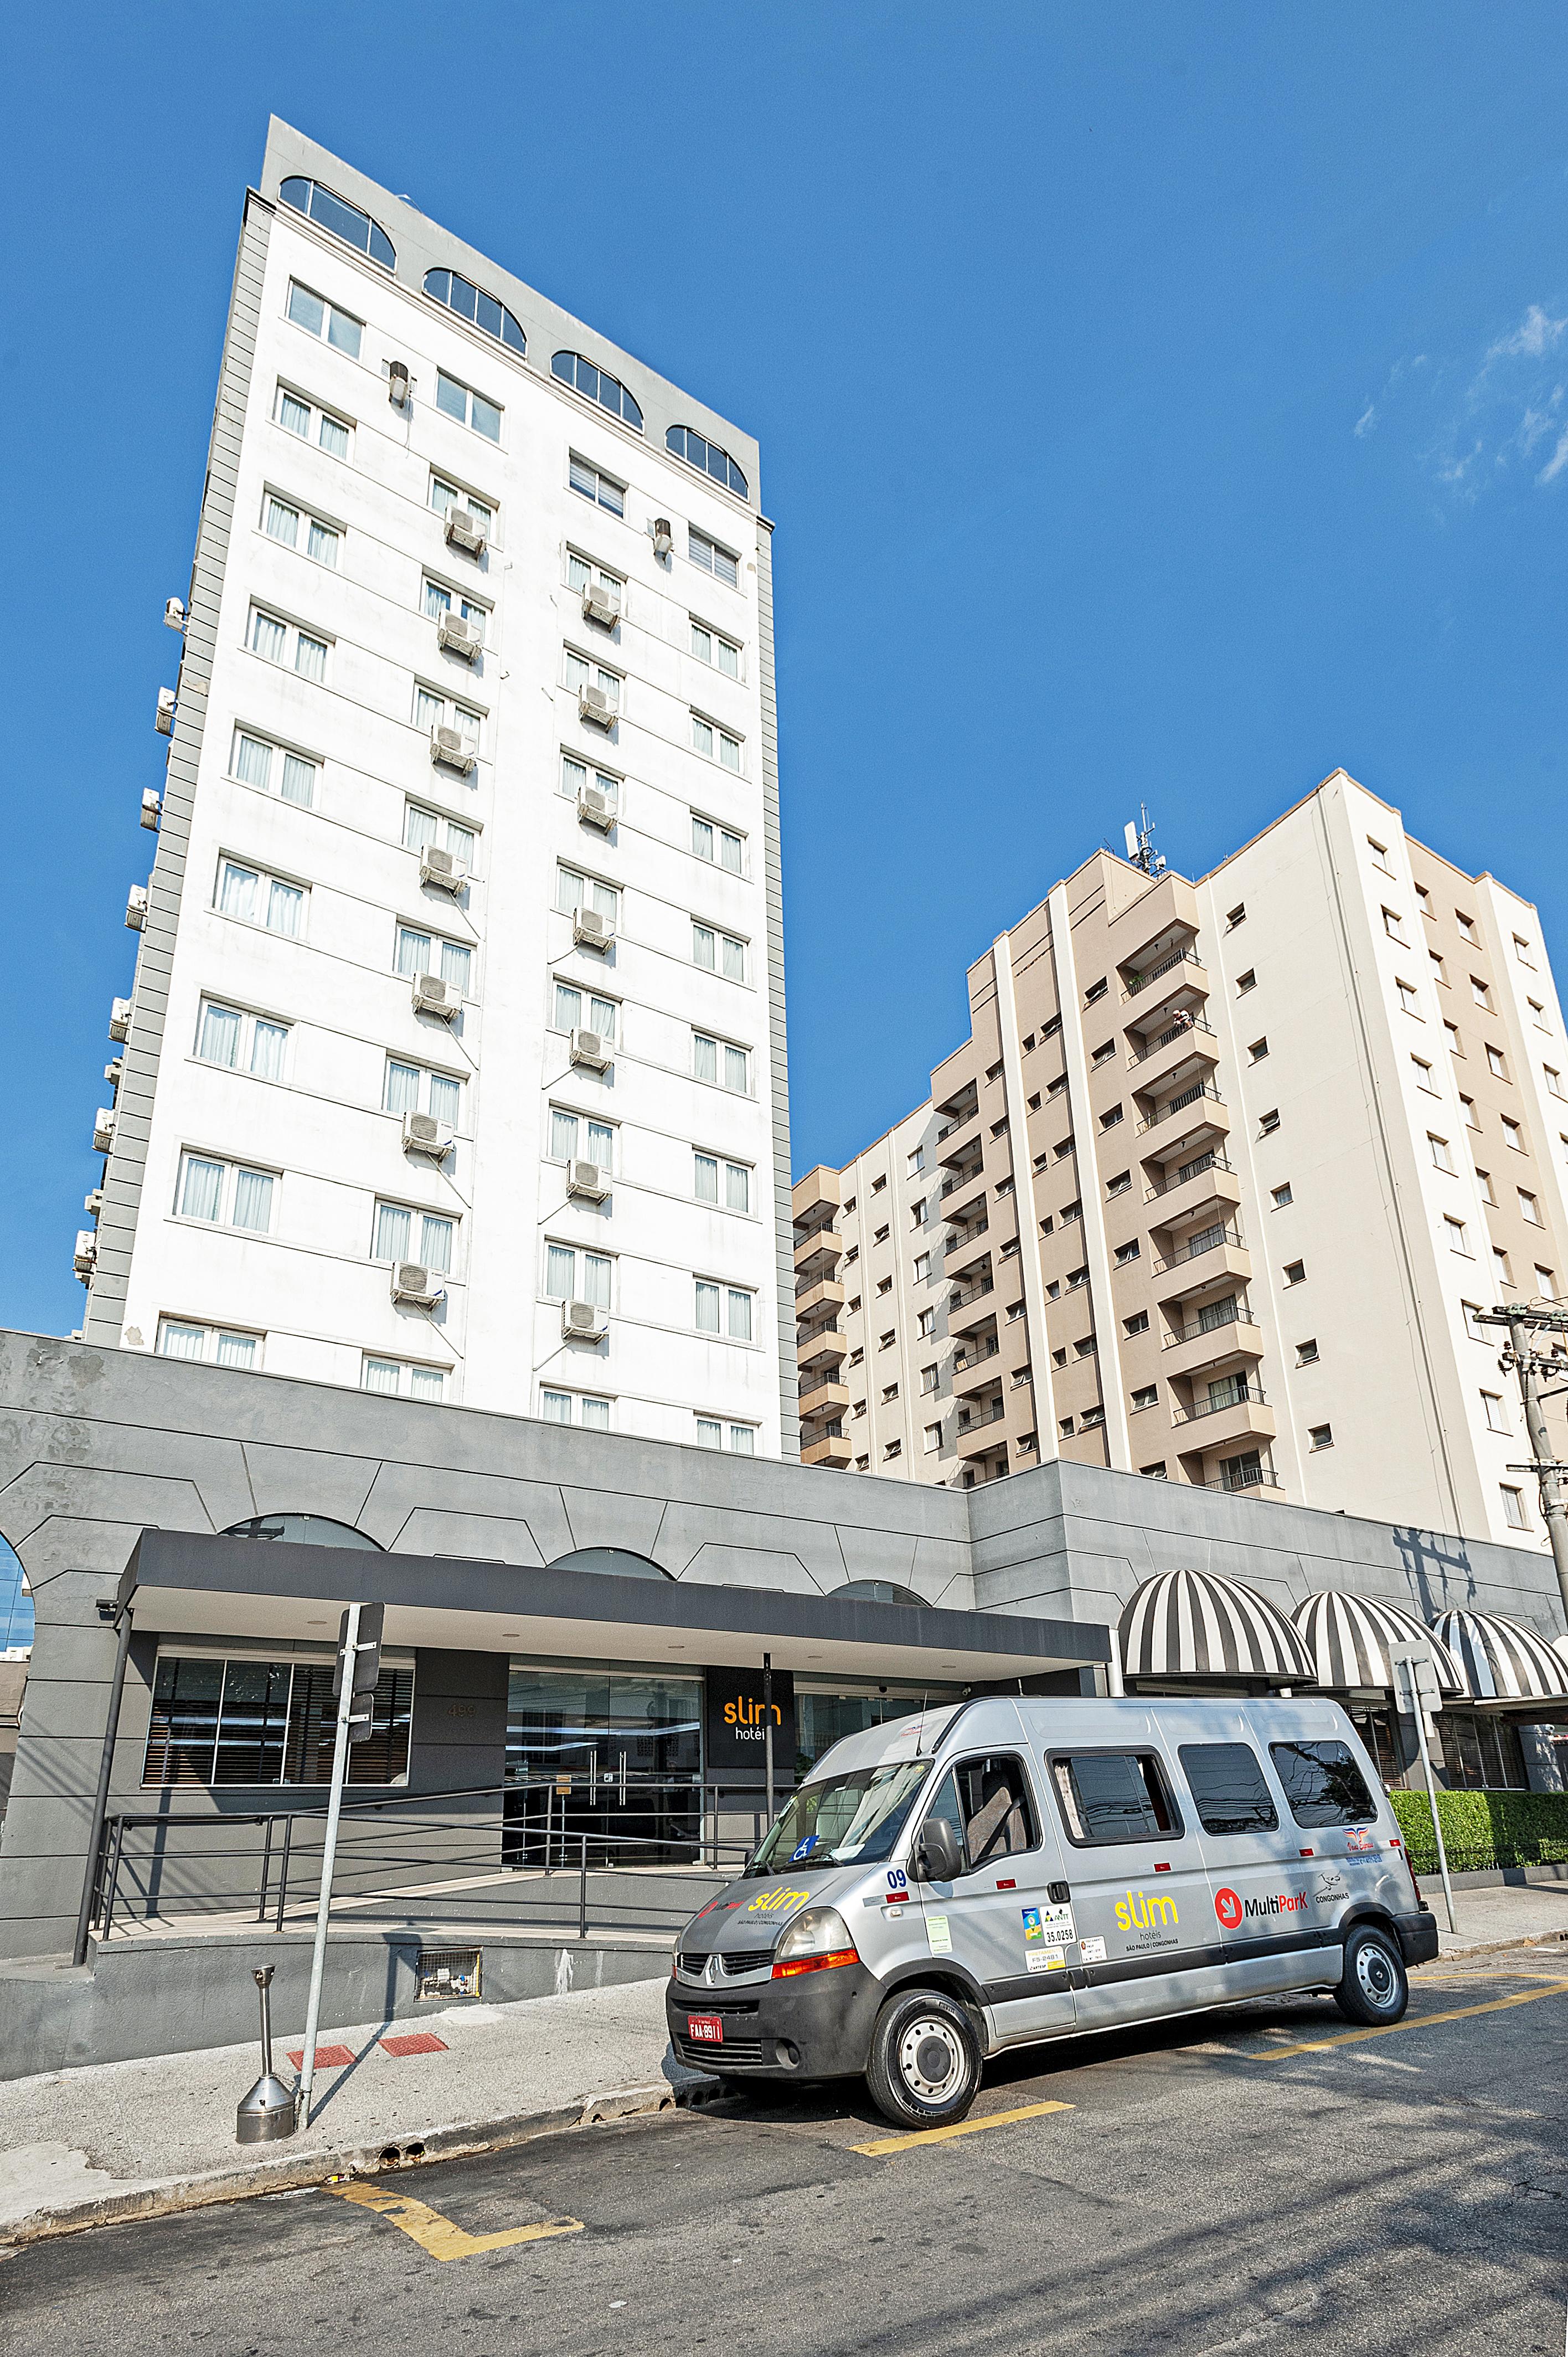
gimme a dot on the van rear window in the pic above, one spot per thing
(1113, 1796)
(1228, 1783)
(1322, 1784)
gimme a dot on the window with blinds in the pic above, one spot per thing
(249, 1722)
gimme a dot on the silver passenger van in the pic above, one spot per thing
(1005, 1870)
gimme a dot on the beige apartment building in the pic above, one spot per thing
(1213, 1190)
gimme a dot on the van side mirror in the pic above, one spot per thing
(937, 1858)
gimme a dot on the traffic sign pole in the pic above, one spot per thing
(1416, 1691)
(345, 1701)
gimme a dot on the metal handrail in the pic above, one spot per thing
(1197, 1248)
(1190, 1332)
(1206, 1163)
(962, 1299)
(1266, 1478)
(976, 1358)
(967, 1425)
(1161, 966)
(1176, 1031)
(1248, 1396)
(1179, 1104)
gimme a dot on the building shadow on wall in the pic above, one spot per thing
(1437, 1565)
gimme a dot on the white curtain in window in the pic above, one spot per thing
(429, 711)
(701, 838)
(436, 1245)
(253, 760)
(445, 1098)
(382, 1375)
(284, 904)
(181, 1341)
(392, 1224)
(735, 959)
(456, 961)
(732, 853)
(267, 636)
(267, 1045)
(237, 893)
(597, 1279)
(729, 751)
(596, 1414)
(702, 947)
(311, 656)
(282, 523)
(562, 1134)
(403, 1088)
(560, 1272)
(298, 781)
(568, 1007)
(707, 1179)
(460, 841)
(413, 952)
(739, 1315)
(707, 1307)
(555, 1407)
(253, 1200)
(218, 1041)
(437, 601)
(602, 1017)
(295, 414)
(201, 1196)
(426, 1382)
(704, 1057)
(742, 1440)
(333, 437)
(568, 890)
(420, 828)
(736, 1070)
(701, 735)
(236, 1349)
(710, 1432)
(601, 1143)
(737, 1187)
(323, 543)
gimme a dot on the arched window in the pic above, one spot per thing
(619, 1562)
(706, 457)
(598, 385)
(876, 1591)
(302, 1530)
(471, 303)
(346, 222)
(15, 1606)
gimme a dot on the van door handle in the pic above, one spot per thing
(1058, 1893)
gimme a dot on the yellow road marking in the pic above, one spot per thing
(959, 2127)
(1411, 2021)
(437, 2235)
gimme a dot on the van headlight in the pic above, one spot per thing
(816, 1940)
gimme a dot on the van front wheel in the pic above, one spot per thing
(1374, 1988)
(924, 2066)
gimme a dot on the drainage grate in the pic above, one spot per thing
(418, 2041)
(449, 1971)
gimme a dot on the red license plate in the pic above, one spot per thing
(705, 2029)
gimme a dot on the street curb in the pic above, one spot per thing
(1500, 1947)
(289, 2173)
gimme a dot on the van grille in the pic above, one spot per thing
(744, 1960)
(719, 2058)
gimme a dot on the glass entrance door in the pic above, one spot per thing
(616, 1754)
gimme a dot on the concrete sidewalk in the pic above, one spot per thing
(1499, 1917)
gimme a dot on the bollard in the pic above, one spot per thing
(269, 2111)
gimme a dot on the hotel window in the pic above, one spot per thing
(471, 303)
(1146, 1395)
(583, 1010)
(240, 1041)
(573, 1275)
(1257, 1052)
(713, 1432)
(706, 457)
(1246, 982)
(1306, 1353)
(890, 1449)
(932, 1437)
(254, 898)
(574, 1137)
(1281, 1196)
(1438, 1147)
(1529, 1210)
(312, 424)
(1496, 1419)
(583, 575)
(1467, 1107)
(603, 489)
(1513, 1135)
(1484, 1180)
(285, 643)
(1537, 1014)
(581, 674)
(254, 1722)
(1521, 950)
(916, 1162)
(1424, 896)
(709, 647)
(717, 1180)
(1127, 1254)
(446, 496)
(1236, 916)
(585, 1409)
(1137, 1324)
(317, 316)
(930, 1377)
(1320, 1435)
(1393, 924)
(718, 952)
(342, 221)
(1502, 1267)
(922, 1267)
(1514, 1513)
(1380, 852)
(1453, 1235)
(926, 1325)
(1479, 992)
(456, 399)
(428, 830)
(721, 1064)
(715, 744)
(401, 1233)
(574, 891)
(718, 845)
(1439, 971)
(436, 599)
(415, 1088)
(1409, 998)
(1545, 1283)
(1268, 1122)
(269, 768)
(1496, 1064)
(1296, 1272)
(576, 774)
(722, 563)
(225, 1194)
(434, 711)
(296, 529)
(1466, 924)
(723, 1309)
(402, 1378)
(596, 383)
(1456, 1044)
(420, 953)
(1472, 1311)
(214, 1346)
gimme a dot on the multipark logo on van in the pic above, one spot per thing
(1232, 1909)
(772, 1903)
(1145, 1910)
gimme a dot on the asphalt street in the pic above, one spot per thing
(1221, 2184)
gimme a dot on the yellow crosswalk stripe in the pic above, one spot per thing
(437, 2235)
(958, 2128)
(1411, 2021)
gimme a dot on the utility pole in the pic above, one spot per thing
(1525, 1320)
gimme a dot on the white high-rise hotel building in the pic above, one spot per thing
(455, 1064)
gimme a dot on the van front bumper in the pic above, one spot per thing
(812, 2026)
(1417, 1935)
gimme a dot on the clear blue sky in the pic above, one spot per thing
(1154, 403)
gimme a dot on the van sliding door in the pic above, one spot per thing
(996, 1919)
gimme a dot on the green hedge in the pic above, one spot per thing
(1484, 1830)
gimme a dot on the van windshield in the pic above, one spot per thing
(844, 1820)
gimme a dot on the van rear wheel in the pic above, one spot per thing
(924, 2065)
(1374, 1987)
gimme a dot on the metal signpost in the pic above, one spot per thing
(767, 1726)
(1417, 1694)
(1525, 1320)
(354, 1684)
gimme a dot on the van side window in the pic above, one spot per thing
(986, 1802)
(1113, 1796)
(1227, 1781)
(1322, 1784)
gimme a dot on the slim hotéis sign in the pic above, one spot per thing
(736, 1723)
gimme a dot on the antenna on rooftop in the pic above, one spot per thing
(1139, 836)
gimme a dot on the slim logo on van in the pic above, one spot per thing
(1231, 1907)
(1142, 1910)
(770, 1901)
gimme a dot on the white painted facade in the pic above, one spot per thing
(318, 960)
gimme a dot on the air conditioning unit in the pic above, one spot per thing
(442, 867)
(86, 1259)
(594, 704)
(415, 1285)
(601, 603)
(103, 1130)
(592, 931)
(464, 530)
(115, 1071)
(151, 807)
(120, 1018)
(582, 1322)
(450, 747)
(590, 1048)
(165, 712)
(92, 1203)
(460, 636)
(422, 1134)
(397, 382)
(137, 907)
(587, 1179)
(599, 809)
(433, 996)
(173, 613)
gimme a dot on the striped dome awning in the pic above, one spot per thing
(1196, 1624)
(1351, 1637)
(1501, 1660)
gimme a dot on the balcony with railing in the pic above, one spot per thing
(1179, 1051)
(1202, 1103)
(822, 1347)
(817, 1254)
(830, 1449)
(1215, 1256)
(974, 1366)
(814, 1295)
(1188, 1188)
(822, 1396)
(1242, 1476)
(1177, 978)
(975, 1435)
